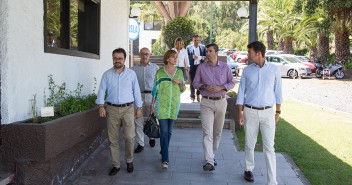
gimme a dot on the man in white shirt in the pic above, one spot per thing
(196, 55)
(145, 72)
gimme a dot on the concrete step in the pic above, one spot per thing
(189, 114)
(195, 123)
(6, 178)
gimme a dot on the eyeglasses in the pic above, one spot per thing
(117, 59)
(145, 54)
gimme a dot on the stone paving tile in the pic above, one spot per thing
(185, 167)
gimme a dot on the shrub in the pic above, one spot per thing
(178, 27)
(301, 51)
(64, 103)
(232, 94)
(157, 49)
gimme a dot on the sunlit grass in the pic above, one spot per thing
(318, 140)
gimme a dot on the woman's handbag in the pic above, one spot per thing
(151, 127)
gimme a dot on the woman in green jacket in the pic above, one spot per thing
(168, 85)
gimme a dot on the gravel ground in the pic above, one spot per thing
(330, 93)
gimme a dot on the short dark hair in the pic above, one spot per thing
(120, 50)
(168, 54)
(216, 47)
(195, 36)
(257, 47)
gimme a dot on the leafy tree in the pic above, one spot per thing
(278, 16)
(178, 27)
(339, 13)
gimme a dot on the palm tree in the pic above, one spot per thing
(339, 13)
(277, 16)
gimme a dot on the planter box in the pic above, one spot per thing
(48, 153)
(232, 112)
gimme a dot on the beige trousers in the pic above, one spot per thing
(147, 100)
(265, 121)
(213, 117)
(120, 117)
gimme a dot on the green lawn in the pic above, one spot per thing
(318, 140)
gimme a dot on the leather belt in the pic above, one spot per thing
(120, 105)
(213, 98)
(257, 108)
(146, 91)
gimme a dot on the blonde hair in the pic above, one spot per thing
(179, 39)
(168, 54)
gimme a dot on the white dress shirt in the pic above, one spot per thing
(182, 58)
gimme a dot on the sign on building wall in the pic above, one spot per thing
(133, 29)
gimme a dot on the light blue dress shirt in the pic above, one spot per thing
(119, 88)
(260, 87)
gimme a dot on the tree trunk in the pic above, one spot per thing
(161, 8)
(323, 47)
(172, 9)
(288, 48)
(184, 7)
(270, 39)
(280, 45)
(342, 46)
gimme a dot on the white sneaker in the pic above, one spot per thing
(164, 165)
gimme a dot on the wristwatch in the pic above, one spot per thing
(278, 112)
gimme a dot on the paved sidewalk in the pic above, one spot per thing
(185, 167)
(186, 163)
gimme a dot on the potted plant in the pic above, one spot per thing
(232, 110)
(48, 150)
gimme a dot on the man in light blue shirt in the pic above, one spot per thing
(260, 89)
(120, 87)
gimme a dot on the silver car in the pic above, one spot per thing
(289, 67)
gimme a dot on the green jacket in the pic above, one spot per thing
(167, 94)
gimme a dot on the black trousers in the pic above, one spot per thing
(192, 74)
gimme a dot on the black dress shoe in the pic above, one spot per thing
(208, 167)
(215, 163)
(152, 142)
(248, 176)
(138, 149)
(114, 171)
(130, 167)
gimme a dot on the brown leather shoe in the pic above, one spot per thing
(130, 167)
(248, 176)
(139, 149)
(114, 171)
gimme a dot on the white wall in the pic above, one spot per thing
(25, 67)
(146, 36)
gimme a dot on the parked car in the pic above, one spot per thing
(241, 55)
(307, 59)
(302, 61)
(233, 65)
(225, 51)
(288, 67)
(245, 60)
(234, 54)
(273, 52)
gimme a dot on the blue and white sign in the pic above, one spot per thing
(133, 29)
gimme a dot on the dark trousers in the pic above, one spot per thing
(192, 74)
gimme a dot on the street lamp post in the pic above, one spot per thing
(243, 14)
(203, 26)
